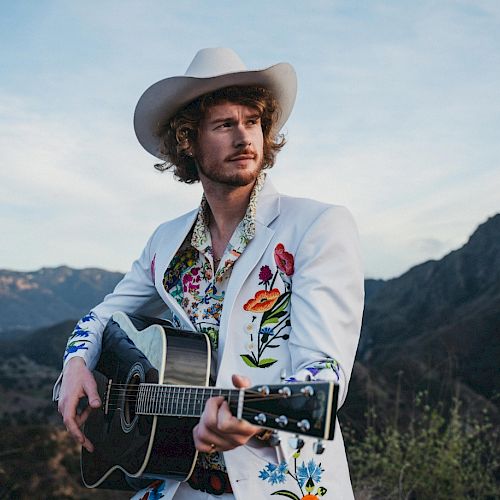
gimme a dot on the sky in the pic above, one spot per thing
(397, 118)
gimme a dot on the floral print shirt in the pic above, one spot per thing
(199, 286)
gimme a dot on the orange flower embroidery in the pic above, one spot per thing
(263, 301)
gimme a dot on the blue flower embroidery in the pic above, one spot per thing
(88, 317)
(80, 332)
(266, 330)
(273, 473)
(73, 347)
(311, 471)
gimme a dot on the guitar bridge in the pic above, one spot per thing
(107, 395)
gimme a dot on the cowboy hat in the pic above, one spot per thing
(210, 70)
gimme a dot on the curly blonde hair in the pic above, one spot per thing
(181, 131)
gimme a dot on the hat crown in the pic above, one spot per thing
(213, 62)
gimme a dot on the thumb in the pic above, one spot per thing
(90, 388)
(241, 382)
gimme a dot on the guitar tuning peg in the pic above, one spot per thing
(285, 392)
(283, 374)
(318, 447)
(304, 425)
(264, 390)
(260, 418)
(274, 440)
(282, 421)
(296, 442)
(307, 391)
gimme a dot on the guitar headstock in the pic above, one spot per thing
(307, 408)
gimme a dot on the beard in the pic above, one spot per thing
(233, 178)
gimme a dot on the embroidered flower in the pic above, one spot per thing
(310, 472)
(273, 473)
(88, 317)
(74, 347)
(267, 330)
(265, 275)
(191, 281)
(263, 301)
(284, 259)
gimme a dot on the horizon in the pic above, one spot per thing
(397, 118)
(367, 277)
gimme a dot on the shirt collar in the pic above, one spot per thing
(201, 233)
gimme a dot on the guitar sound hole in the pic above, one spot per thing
(131, 399)
(129, 415)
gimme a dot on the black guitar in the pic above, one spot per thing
(152, 380)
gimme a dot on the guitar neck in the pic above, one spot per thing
(182, 401)
(305, 408)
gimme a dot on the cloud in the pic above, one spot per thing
(397, 117)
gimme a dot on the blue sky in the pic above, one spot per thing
(397, 117)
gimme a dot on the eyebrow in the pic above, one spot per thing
(231, 118)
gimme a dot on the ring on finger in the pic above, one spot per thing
(212, 448)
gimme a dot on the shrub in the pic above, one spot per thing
(440, 455)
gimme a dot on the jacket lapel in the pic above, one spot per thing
(169, 245)
(268, 208)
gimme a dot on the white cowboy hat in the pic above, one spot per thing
(211, 69)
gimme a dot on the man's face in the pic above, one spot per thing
(229, 148)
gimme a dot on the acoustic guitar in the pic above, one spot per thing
(153, 383)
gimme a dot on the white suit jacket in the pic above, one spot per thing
(325, 309)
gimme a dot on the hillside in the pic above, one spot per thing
(436, 328)
(45, 297)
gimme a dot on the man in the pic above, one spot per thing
(245, 252)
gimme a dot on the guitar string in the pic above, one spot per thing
(249, 411)
(189, 397)
(186, 408)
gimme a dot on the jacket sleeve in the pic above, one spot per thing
(327, 300)
(135, 291)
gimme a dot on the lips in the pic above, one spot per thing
(242, 157)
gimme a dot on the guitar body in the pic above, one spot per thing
(128, 445)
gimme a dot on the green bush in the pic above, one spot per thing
(439, 455)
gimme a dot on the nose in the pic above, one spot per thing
(242, 137)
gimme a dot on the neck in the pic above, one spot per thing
(228, 205)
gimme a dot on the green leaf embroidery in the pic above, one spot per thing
(269, 321)
(249, 361)
(264, 363)
(286, 493)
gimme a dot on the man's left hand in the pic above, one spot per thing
(218, 429)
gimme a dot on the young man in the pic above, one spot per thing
(225, 267)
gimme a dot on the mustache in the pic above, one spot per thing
(246, 151)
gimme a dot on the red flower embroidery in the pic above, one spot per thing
(284, 259)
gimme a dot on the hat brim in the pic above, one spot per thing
(164, 98)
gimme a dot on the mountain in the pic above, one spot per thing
(50, 295)
(436, 328)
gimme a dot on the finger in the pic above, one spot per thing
(240, 381)
(73, 429)
(90, 388)
(230, 425)
(88, 445)
(209, 415)
(207, 441)
(81, 419)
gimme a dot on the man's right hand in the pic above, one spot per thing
(77, 382)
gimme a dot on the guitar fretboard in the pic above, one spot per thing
(178, 401)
